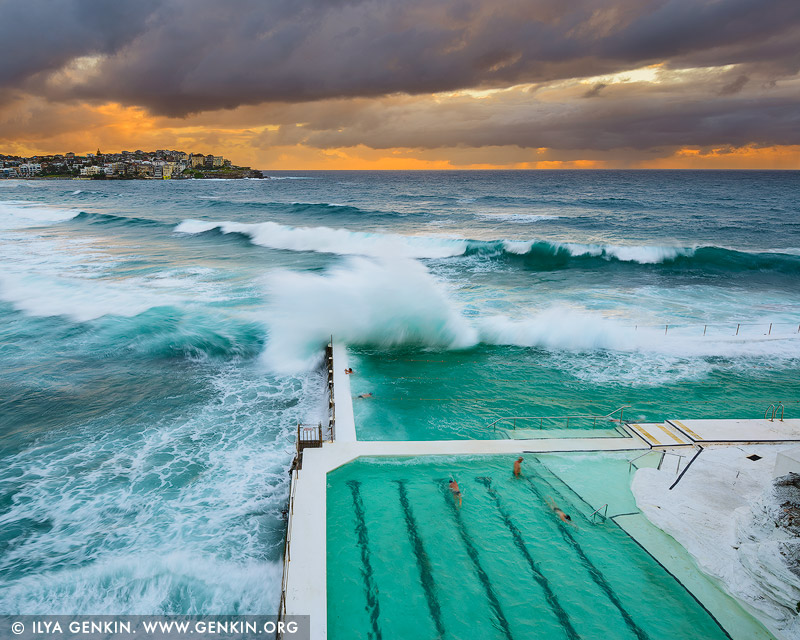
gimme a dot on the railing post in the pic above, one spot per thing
(666, 328)
(769, 333)
(737, 328)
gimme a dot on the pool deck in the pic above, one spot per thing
(306, 567)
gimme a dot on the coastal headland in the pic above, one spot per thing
(162, 164)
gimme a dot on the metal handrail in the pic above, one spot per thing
(287, 551)
(541, 419)
(739, 325)
(605, 512)
(632, 463)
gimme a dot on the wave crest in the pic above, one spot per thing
(328, 240)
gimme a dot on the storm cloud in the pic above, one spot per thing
(586, 76)
(189, 56)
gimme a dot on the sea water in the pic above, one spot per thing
(159, 343)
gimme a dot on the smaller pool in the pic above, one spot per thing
(422, 394)
(405, 561)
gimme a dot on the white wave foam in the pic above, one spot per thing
(386, 302)
(517, 217)
(328, 240)
(565, 328)
(519, 247)
(168, 515)
(78, 299)
(643, 254)
(21, 214)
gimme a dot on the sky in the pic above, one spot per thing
(408, 84)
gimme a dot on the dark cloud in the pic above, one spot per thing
(188, 56)
(45, 35)
(595, 90)
(635, 116)
(734, 86)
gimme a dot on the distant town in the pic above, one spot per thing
(163, 164)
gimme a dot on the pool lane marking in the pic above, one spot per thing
(552, 599)
(472, 552)
(596, 574)
(628, 535)
(685, 428)
(373, 605)
(671, 435)
(423, 562)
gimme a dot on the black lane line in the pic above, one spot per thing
(597, 576)
(373, 606)
(552, 599)
(674, 577)
(423, 562)
(472, 552)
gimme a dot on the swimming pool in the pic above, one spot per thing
(423, 394)
(404, 561)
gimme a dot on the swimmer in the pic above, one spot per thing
(456, 491)
(562, 516)
(518, 467)
(348, 371)
(365, 395)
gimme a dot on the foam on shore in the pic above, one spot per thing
(723, 512)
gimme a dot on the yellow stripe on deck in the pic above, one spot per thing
(686, 429)
(638, 427)
(671, 435)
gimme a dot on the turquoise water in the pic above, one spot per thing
(439, 394)
(404, 561)
(159, 342)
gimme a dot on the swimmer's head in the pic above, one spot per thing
(520, 459)
(567, 517)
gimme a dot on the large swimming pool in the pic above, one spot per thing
(405, 561)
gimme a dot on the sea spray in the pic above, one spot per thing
(382, 302)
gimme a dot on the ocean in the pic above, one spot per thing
(159, 342)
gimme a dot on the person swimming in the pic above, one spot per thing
(518, 466)
(456, 491)
(564, 517)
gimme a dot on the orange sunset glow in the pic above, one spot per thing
(593, 90)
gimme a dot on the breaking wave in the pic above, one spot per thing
(391, 302)
(328, 240)
(534, 255)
